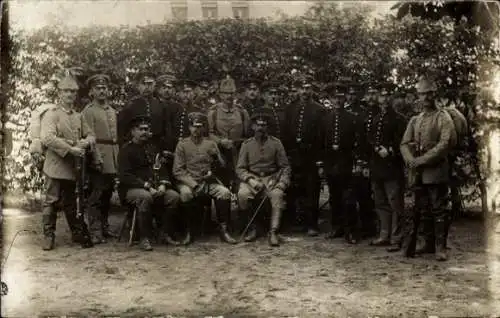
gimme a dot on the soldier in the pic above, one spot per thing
(65, 135)
(144, 187)
(252, 100)
(365, 111)
(387, 171)
(273, 108)
(302, 142)
(338, 137)
(101, 119)
(146, 104)
(37, 150)
(425, 148)
(195, 159)
(228, 126)
(263, 169)
(172, 107)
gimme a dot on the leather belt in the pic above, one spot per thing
(106, 141)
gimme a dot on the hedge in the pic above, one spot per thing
(327, 42)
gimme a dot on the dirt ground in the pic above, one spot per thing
(305, 277)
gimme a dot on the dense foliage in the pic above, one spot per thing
(327, 42)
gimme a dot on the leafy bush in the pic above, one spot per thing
(327, 42)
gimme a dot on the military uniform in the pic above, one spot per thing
(252, 104)
(144, 106)
(228, 122)
(365, 111)
(273, 110)
(425, 147)
(302, 142)
(387, 173)
(138, 177)
(102, 120)
(263, 160)
(195, 157)
(61, 130)
(339, 130)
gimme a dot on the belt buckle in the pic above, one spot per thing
(335, 147)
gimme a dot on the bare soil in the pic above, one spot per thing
(305, 277)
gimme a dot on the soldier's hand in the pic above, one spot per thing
(257, 185)
(153, 191)
(162, 189)
(82, 143)
(77, 151)
(383, 152)
(226, 143)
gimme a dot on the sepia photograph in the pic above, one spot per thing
(250, 158)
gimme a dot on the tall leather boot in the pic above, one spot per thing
(427, 232)
(440, 230)
(188, 210)
(410, 233)
(385, 229)
(167, 228)
(49, 219)
(223, 212)
(275, 224)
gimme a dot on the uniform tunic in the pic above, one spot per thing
(102, 120)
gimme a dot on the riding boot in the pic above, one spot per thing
(188, 211)
(385, 228)
(251, 234)
(409, 235)
(275, 223)
(429, 237)
(223, 212)
(167, 228)
(440, 230)
(49, 228)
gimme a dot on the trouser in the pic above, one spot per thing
(344, 215)
(144, 202)
(228, 173)
(429, 218)
(389, 206)
(363, 196)
(303, 196)
(191, 204)
(60, 190)
(247, 195)
(102, 186)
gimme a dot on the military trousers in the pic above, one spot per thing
(389, 205)
(102, 186)
(303, 195)
(363, 195)
(144, 202)
(344, 214)
(61, 191)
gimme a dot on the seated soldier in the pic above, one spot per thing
(263, 168)
(141, 187)
(194, 161)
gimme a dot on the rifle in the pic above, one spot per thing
(81, 169)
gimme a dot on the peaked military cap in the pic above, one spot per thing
(197, 119)
(204, 84)
(187, 84)
(261, 118)
(145, 77)
(165, 79)
(251, 82)
(98, 80)
(271, 86)
(67, 82)
(139, 120)
(227, 85)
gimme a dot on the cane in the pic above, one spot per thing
(261, 203)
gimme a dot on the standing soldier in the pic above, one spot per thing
(387, 171)
(228, 125)
(252, 100)
(65, 135)
(37, 150)
(302, 142)
(101, 119)
(338, 137)
(263, 169)
(365, 111)
(273, 109)
(146, 104)
(425, 148)
(194, 163)
(172, 107)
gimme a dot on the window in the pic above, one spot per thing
(241, 10)
(179, 10)
(209, 9)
